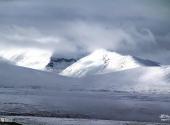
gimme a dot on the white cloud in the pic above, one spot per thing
(80, 37)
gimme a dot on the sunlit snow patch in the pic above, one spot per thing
(99, 62)
(165, 117)
(27, 57)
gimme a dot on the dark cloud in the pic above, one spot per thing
(140, 28)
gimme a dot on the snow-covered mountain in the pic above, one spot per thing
(139, 79)
(26, 57)
(102, 61)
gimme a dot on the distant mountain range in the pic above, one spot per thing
(98, 62)
(103, 61)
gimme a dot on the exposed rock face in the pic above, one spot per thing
(59, 64)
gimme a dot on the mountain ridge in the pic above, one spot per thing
(102, 61)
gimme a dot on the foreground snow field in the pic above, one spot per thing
(129, 95)
(70, 121)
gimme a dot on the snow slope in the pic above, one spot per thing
(25, 91)
(141, 79)
(26, 57)
(102, 61)
(14, 77)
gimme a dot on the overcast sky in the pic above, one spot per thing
(136, 27)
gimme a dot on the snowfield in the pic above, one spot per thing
(130, 95)
(26, 57)
(70, 121)
(102, 61)
(141, 79)
(132, 89)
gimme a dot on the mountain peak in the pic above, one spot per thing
(99, 62)
(102, 61)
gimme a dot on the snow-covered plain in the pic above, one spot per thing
(70, 121)
(138, 94)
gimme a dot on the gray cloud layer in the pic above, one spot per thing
(137, 27)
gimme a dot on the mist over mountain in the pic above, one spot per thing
(85, 60)
(64, 27)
